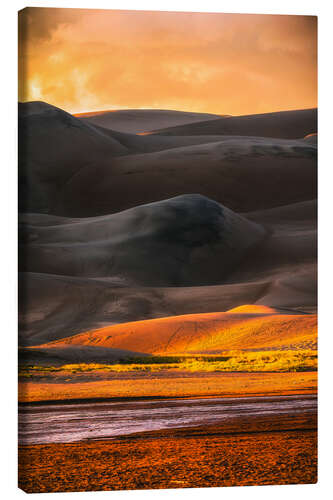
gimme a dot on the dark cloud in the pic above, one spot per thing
(38, 23)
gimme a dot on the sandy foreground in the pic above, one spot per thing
(268, 451)
(167, 385)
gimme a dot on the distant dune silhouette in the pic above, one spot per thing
(283, 124)
(136, 121)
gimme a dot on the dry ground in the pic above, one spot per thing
(203, 458)
(142, 384)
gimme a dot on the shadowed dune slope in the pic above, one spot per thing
(136, 121)
(241, 173)
(279, 272)
(203, 333)
(187, 240)
(72, 168)
(53, 146)
(296, 214)
(137, 144)
(285, 124)
(73, 140)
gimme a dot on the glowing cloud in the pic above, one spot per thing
(84, 60)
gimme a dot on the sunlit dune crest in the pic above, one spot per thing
(311, 138)
(203, 333)
(252, 309)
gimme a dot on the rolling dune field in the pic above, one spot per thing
(167, 260)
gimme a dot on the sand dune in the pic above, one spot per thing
(187, 240)
(54, 145)
(280, 272)
(36, 219)
(53, 307)
(38, 120)
(252, 309)
(230, 146)
(203, 333)
(302, 213)
(136, 121)
(285, 124)
(242, 174)
(137, 144)
(311, 138)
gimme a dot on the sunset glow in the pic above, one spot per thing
(86, 60)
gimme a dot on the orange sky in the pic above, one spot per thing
(84, 60)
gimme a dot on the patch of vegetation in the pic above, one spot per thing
(261, 361)
(236, 361)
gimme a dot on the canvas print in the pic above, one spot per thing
(167, 250)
